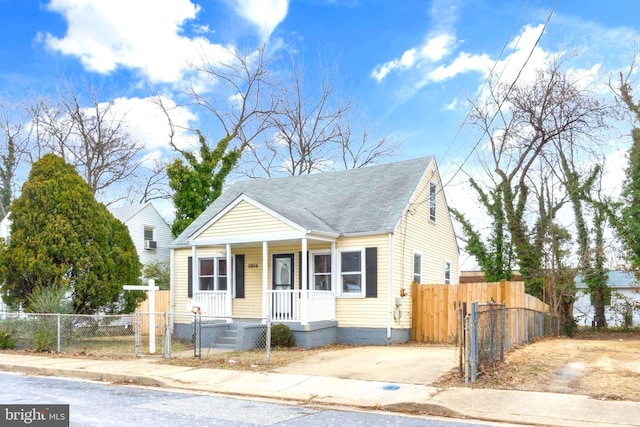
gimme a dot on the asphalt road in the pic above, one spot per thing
(95, 404)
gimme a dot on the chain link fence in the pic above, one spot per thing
(139, 334)
(203, 337)
(107, 335)
(492, 329)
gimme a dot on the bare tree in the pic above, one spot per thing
(314, 130)
(526, 124)
(151, 183)
(235, 92)
(14, 139)
(93, 138)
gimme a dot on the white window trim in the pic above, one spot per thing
(216, 267)
(363, 278)
(413, 266)
(444, 273)
(435, 201)
(311, 280)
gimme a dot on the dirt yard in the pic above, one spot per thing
(601, 365)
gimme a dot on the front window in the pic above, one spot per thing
(417, 267)
(351, 272)
(321, 272)
(213, 274)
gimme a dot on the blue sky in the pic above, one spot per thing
(408, 65)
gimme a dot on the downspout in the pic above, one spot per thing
(389, 285)
(172, 287)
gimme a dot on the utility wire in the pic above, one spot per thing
(485, 131)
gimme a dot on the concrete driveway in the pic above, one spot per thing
(402, 364)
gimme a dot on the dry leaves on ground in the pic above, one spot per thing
(597, 364)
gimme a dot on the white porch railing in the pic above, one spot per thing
(212, 303)
(301, 306)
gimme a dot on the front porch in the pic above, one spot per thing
(292, 305)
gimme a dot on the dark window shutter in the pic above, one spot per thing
(190, 277)
(371, 267)
(239, 272)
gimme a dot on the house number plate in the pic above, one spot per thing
(253, 266)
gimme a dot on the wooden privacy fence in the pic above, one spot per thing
(163, 303)
(435, 307)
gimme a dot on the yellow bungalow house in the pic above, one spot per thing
(331, 255)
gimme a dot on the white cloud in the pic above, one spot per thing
(433, 50)
(452, 105)
(462, 64)
(147, 124)
(141, 34)
(265, 15)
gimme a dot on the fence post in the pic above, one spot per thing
(166, 344)
(518, 335)
(267, 344)
(138, 334)
(504, 330)
(491, 332)
(197, 335)
(474, 341)
(461, 340)
(467, 347)
(58, 329)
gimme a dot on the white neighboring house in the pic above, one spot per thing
(149, 231)
(5, 228)
(620, 282)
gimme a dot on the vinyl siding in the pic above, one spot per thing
(435, 240)
(366, 312)
(149, 217)
(245, 219)
(251, 305)
(180, 272)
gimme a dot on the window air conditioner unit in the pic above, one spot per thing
(150, 244)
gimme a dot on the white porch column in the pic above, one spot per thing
(334, 276)
(230, 280)
(304, 285)
(265, 280)
(334, 269)
(195, 274)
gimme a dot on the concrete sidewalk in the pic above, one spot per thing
(550, 409)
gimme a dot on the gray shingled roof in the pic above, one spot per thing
(124, 213)
(617, 280)
(358, 201)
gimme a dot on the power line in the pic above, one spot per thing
(486, 81)
(485, 131)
